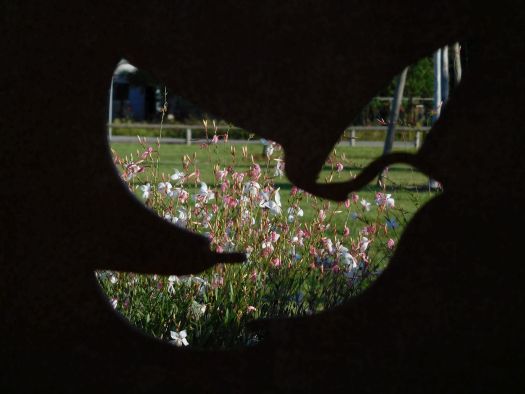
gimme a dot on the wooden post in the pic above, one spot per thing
(352, 137)
(417, 142)
(188, 136)
(392, 120)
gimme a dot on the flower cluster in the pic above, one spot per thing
(304, 254)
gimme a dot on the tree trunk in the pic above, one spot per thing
(392, 120)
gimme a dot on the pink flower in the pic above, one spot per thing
(253, 275)
(276, 262)
(131, 170)
(220, 174)
(229, 202)
(274, 236)
(147, 152)
(294, 190)
(215, 139)
(255, 172)
(183, 196)
(225, 186)
(390, 244)
(322, 215)
(346, 232)
(251, 309)
(355, 198)
(339, 167)
(347, 203)
(267, 251)
(313, 251)
(382, 122)
(217, 281)
(238, 177)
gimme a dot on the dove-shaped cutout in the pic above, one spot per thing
(255, 64)
(209, 193)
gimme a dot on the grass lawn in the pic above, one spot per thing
(407, 186)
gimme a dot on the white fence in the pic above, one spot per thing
(188, 140)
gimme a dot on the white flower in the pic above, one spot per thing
(279, 168)
(179, 338)
(364, 244)
(293, 212)
(349, 260)
(204, 193)
(146, 190)
(164, 187)
(365, 204)
(352, 272)
(246, 216)
(390, 203)
(114, 303)
(275, 205)
(177, 176)
(113, 279)
(329, 246)
(172, 279)
(206, 220)
(198, 309)
(251, 189)
(269, 151)
(267, 245)
(180, 220)
(175, 193)
(385, 200)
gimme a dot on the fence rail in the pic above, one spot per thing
(353, 130)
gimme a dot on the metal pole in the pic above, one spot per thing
(437, 85)
(188, 136)
(432, 183)
(110, 115)
(352, 137)
(445, 83)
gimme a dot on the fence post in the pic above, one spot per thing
(417, 142)
(188, 136)
(352, 137)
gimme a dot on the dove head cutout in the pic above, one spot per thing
(296, 73)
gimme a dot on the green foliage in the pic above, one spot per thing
(419, 82)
